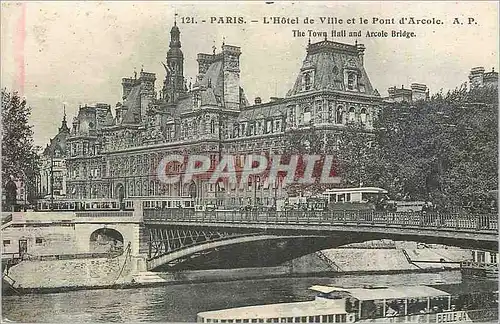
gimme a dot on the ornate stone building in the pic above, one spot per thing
(53, 173)
(117, 156)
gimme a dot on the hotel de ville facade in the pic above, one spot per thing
(115, 155)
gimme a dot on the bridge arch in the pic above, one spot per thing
(87, 233)
(270, 249)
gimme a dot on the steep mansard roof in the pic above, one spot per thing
(133, 106)
(110, 120)
(329, 60)
(57, 144)
(267, 110)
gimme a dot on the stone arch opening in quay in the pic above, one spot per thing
(105, 240)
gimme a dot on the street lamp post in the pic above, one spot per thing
(51, 179)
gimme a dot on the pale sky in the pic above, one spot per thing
(74, 53)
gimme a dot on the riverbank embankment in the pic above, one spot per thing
(119, 272)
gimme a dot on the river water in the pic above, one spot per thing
(181, 302)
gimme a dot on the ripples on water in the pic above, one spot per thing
(181, 303)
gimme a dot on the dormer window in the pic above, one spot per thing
(307, 80)
(351, 81)
(197, 100)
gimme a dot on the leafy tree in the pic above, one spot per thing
(19, 157)
(354, 153)
(357, 157)
(302, 142)
(443, 150)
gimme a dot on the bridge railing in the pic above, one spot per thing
(104, 214)
(488, 222)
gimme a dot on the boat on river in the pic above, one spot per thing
(398, 304)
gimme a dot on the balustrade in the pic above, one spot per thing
(365, 218)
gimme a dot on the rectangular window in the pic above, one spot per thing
(324, 319)
(337, 318)
(330, 318)
(38, 240)
(493, 257)
(307, 117)
(311, 319)
(481, 256)
(297, 319)
(316, 319)
(6, 242)
(304, 319)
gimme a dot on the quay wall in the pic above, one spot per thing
(42, 239)
(94, 272)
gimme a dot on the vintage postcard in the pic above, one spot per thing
(250, 162)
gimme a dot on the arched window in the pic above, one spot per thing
(363, 116)
(331, 112)
(340, 115)
(319, 111)
(251, 129)
(307, 115)
(236, 130)
(291, 115)
(212, 126)
(352, 114)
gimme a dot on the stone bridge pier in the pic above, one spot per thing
(95, 231)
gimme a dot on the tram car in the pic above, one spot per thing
(103, 204)
(362, 198)
(79, 205)
(162, 203)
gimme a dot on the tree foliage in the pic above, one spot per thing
(443, 150)
(19, 157)
(356, 153)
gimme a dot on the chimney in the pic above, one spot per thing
(419, 91)
(361, 52)
(231, 69)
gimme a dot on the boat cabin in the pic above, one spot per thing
(419, 303)
(410, 304)
(316, 311)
